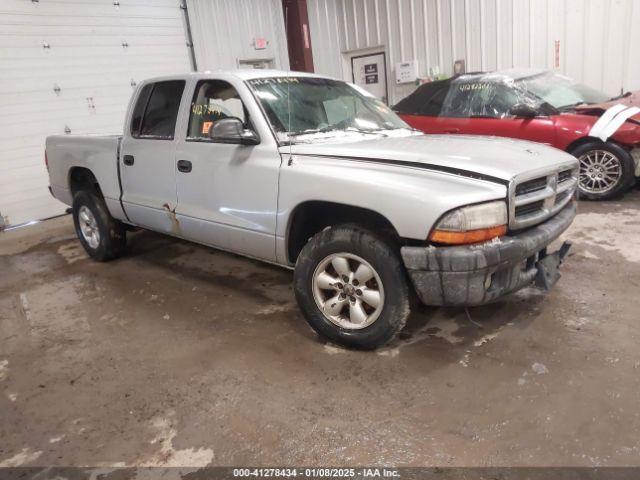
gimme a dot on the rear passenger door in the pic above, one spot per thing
(147, 166)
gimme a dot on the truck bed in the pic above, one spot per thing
(98, 153)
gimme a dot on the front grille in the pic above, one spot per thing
(533, 200)
(561, 196)
(564, 176)
(529, 208)
(531, 186)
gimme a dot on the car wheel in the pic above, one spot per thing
(606, 170)
(352, 287)
(103, 237)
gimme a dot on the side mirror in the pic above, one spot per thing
(231, 130)
(523, 110)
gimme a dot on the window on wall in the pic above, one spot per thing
(156, 111)
(212, 101)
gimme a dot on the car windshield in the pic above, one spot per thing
(304, 109)
(559, 91)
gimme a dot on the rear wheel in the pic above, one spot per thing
(351, 287)
(103, 237)
(606, 170)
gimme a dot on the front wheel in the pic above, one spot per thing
(352, 287)
(606, 170)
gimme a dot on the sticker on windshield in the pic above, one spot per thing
(213, 109)
(206, 126)
(272, 80)
(465, 87)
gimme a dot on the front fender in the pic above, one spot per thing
(411, 199)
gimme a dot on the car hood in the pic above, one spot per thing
(632, 100)
(497, 159)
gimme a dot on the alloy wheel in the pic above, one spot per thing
(89, 227)
(600, 171)
(348, 291)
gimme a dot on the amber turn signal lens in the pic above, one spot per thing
(471, 236)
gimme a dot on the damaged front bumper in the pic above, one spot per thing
(478, 274)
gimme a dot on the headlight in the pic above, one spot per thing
(472, 224)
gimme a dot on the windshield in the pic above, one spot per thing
(304, 108)
(560, 92)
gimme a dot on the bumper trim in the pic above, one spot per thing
(478, 274)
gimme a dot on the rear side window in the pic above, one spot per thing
(434, 106)
(138, 111)
(426, 100)
(156, 110)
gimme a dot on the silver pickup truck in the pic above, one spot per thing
(316, 175)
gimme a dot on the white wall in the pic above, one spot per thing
(599, 39)
(95, 74)
(224, 31)
(87, 60)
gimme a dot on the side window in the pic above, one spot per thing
(138, 111)
(434, 106)
(426, 100)
(156, 111)
(212, 101)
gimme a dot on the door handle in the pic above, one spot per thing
(184, 166)
(452, 130)
(128, 160)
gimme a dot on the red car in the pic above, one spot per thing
(603, 132)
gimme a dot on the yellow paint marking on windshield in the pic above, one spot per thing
(473, 86)
(199, 109)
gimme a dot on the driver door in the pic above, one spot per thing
(227, 193)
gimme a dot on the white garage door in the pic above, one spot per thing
(70, 65)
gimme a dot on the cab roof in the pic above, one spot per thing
(242, 74)
(251, 74)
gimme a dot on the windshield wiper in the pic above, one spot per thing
(338, 129)
(624, 95)
(377, 131)
(571, 106)
(311, 131)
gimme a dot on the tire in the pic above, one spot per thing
(358, 246)
(90, 215)
(598, 158)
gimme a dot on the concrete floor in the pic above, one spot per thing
(181, 355)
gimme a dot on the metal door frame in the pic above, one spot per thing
(384, 61)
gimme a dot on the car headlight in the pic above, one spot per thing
(471, 224)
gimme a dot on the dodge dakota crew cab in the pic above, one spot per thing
(316, 175)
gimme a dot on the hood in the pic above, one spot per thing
(631, 100)
(496, 159)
